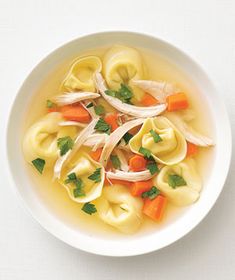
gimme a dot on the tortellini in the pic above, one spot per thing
(118, 208)
(182, 195)
(170, 150)
(80, 76)
(40, 140)
(83, 166)
(122, 64)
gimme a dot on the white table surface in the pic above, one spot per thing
(29, 30)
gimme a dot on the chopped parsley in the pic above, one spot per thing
(39, 164)
(127, 137)
(152, 193)
(65, 144)
(102, 126)
(152, 167)
(145, 152)
(50, 104)
(89, 105)
(124, 93)
(115, 161)
(99, 110)
(89, 208)
(96, 176)
(156, 136)
(175, 180)
(77, 182)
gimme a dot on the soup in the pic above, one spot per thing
(116, 141)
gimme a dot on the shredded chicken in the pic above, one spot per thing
(123, 160)
(159, 90)
(90, 110)
(189, 133)
(81, 138)
(129, 176)
(115, 137)
(140, 112)
(73, 97)
(96, 140)
(72, 123)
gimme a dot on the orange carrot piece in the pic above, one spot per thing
(111, 119)
(75, 112)
(155, 208)
(177, 101)
(115, 181)
(137, 188)
(53, 109)
(192, 149)
(149, 100)
(137, 163)
(96, 154)
(134, 130)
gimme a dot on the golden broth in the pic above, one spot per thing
(55, 197)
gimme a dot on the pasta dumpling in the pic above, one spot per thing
(122, 64)
(171, 147)
(80, 76)
(119, 209)
(83, 187)
(185, 194)
(40, 140)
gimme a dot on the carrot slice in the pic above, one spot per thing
(53, 109)
(149, 100)
(75, 112)
(96, 154)
(177, 101)
(137, 163)
(192, 149)
(155, 208)
(111, 119)
(137, 188)
(115, 181)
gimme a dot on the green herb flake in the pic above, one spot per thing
(96, 176)
(175, 180)
(89, 208)
(39, 164)
(151, 194)
(152, 167)
(77, 182)
(124, 93)
(71, 178)
(89, 105)
(50, 104)
(115, 161)
(102, 126)
(99, 110)
(156, 136)
(127, 137)
(65, 144)
(145, 152)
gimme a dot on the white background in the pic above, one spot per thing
(29, 30)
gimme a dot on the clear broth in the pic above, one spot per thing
(55, 197)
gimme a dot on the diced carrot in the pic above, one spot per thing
(115, 181)
(53, 109)
(137, 163)
(75, 112)
(137, 188)
(192, 149)
(155, 208)
(134, 130)
(111, 119)
(177, 101)
(148, 100)
(96, 154)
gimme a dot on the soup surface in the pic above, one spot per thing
(117, 141)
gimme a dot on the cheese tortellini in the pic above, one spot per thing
(118, 208)
(83, 166)
(40, 140)
(170, 150)
(122, 64)
(80, 76)
(182, 195)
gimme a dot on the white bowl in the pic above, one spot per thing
(139, 244)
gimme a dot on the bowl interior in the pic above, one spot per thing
(139, 244)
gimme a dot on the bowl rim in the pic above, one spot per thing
(108, 251)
